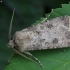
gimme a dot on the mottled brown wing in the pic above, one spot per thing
(54, 33)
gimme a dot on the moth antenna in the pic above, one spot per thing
(26, 56)
(10, 28)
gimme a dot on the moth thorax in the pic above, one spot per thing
(11, 44)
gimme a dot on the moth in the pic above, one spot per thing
(49, 34)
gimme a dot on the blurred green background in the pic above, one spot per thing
(26, 13)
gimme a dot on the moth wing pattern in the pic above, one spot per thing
(54, 33)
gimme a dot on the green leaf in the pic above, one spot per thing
(53, 59)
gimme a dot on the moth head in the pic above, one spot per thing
(10, 44)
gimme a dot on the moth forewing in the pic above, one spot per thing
(47, 35)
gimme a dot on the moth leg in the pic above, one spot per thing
(18, 52)
(11, 57)
(28, 53)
